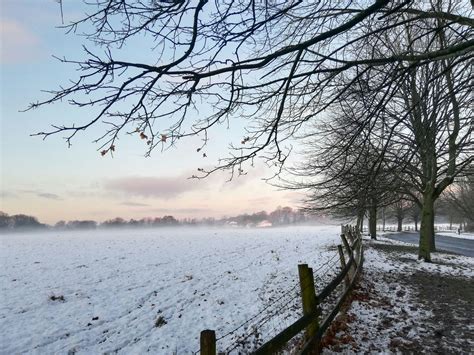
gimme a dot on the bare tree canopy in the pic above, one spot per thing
(459, 199)
(403, 129)
(276, 65)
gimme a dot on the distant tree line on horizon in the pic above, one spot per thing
(19, 221)
(281, 216)
(453, 209)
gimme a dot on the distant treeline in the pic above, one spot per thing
(20, 221)
(279, 217)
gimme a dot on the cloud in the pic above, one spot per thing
(134, 204)
(158, 187)
(7, 194)
(180, 210)
(19, 44)
(48, 195)
(26, 191)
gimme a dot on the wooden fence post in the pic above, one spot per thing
(350, 252)
(308, 296)
(346, 244)
(208, 342)
(343, 264)
(349, 235)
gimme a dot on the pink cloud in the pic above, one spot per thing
(134, 204)
(18, 43)
(180, 211)
(158, 187)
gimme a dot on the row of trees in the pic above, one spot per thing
(279, 217)
(397, 135)
(458, 202)
(455, 207)
(19, 221)
(25, 222)
(118, 222)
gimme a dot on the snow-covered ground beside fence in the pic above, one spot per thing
(404, 305)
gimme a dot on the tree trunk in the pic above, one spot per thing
(400, 224)
(432, 236)
(360, 221)
(427, 226)
(416, 224)
(373, 222)
(383, 219)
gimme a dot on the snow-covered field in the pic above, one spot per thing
(134, 291)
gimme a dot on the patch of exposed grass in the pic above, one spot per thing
(59, 298)
(160, 321)
(395, 248)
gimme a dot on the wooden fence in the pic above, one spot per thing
(312, 323)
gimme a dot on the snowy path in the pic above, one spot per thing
(117, 284)
(406, 306)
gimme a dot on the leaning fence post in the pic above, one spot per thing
(208, 342)
(308, 296)
(346, 244)
(343, 264)
(348, 235)
(349, 251)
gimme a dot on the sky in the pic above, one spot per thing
(47, 179)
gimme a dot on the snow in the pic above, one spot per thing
(134, 291)
(389, 314)
(442, 263)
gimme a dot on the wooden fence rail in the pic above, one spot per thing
(310, 322)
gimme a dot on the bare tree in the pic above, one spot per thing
(342, 168)
(273, 65)
(459, 199)
(437, 134)
(414, 213)
(418, 117)
(400, 209)
(430, 119)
